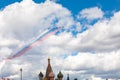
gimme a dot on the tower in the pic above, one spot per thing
(49, 72)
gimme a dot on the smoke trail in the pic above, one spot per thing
(41, 38)
(27, 46)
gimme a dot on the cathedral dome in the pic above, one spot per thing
(60, 75)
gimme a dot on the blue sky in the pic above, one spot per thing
(88, 45)
(77, 5)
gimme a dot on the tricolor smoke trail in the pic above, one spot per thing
(37, 41)
(43, 36)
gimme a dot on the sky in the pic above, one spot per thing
(87, 46)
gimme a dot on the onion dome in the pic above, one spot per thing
(41, 74)
(60, 75)
(51, 74)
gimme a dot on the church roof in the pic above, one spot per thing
(60, 75)
(51, 74)
(49, 69)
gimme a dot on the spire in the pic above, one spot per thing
(48, 61)
(49, 69)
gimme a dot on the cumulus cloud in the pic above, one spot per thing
(2, 64)
(91, 13)
(33, 18)
(103, 36)
(86, 61)
(95, 78)
(86, 64)
(102, 33)
(25, 20)
(13, 76)
(5, 51)
(88, 53)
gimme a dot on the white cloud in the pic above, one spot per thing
(13, 76)
(6, 42)
(25, 20)
(86, 61)
(91, 13)
(5, 51)
(95, 78)
(32, 17)
(102, 33)
(22, 22)
(2, 64)
(103, 65)
(103, 36)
